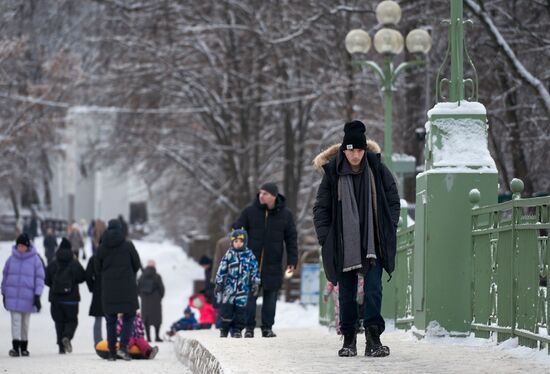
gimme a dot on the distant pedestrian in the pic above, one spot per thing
(222, 246)
(90, 234)
(355, 216)
(33, 226)
(50, 245)
(22, 286)
(151, 292)
(93, 281)
(117, 263)
(99, 229)
(237, 277)
(63, 277)
(271, 231)
(77, 243)
(124, 226)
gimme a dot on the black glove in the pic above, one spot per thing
(255, 289)
(37, 303)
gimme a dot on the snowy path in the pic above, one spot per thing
(314, 351)
(177, 272)
(301, 346)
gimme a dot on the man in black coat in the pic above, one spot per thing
(270, 226)
(117, 263)
(355, 215)
(63, 276)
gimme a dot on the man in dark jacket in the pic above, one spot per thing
(63, 276)
(117, 263)
(270, 226)
(355, 215)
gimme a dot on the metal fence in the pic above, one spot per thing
(510, 268)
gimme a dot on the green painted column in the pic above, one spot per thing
(457, 160)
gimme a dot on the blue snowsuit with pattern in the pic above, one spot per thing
(236, 276)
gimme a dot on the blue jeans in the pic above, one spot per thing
(372, 304)
(268, 309)
(127, 325)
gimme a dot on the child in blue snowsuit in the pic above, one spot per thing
(237, 276)
(187, 322)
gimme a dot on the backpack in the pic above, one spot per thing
(147, 285)
(63, 281)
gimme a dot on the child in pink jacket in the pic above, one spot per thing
(137, 337)
(332, 289)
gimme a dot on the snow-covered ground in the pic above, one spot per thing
(178, 272)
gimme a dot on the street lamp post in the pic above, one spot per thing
(388, 42)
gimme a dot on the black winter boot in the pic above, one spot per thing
(249, 333)
(15, 351)
(24, 345)
(374, 347)
(349, 349)
(224, 333)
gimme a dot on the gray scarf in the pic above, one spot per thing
(351, 222)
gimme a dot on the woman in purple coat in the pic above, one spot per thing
(22, 285)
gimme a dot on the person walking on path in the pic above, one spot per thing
(117, 264)
(77, 243)
(151, 292)
(99, 229)
(22, 286)
(50, 245)
(237, 277)
(271, 229)
(222, 246)
(93, 281)
(355, 216)
(62, 277)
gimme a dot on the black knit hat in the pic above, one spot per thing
(23, 239)
(114, 224)
(65, 244)
(271, 188)
(205, 260)
(354, 136)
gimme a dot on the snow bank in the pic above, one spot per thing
(463, 107)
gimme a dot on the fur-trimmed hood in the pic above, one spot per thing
(325, 156)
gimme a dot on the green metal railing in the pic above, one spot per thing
(397, 297)
(510, 261)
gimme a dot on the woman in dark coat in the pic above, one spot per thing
(63, 276)
(151, 292)
(96, 310)
(117, 263)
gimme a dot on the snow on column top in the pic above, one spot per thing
(465, 107)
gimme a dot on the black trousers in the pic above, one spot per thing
(372, 304)
(232, 317)
(65, 317)
(268, 309)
